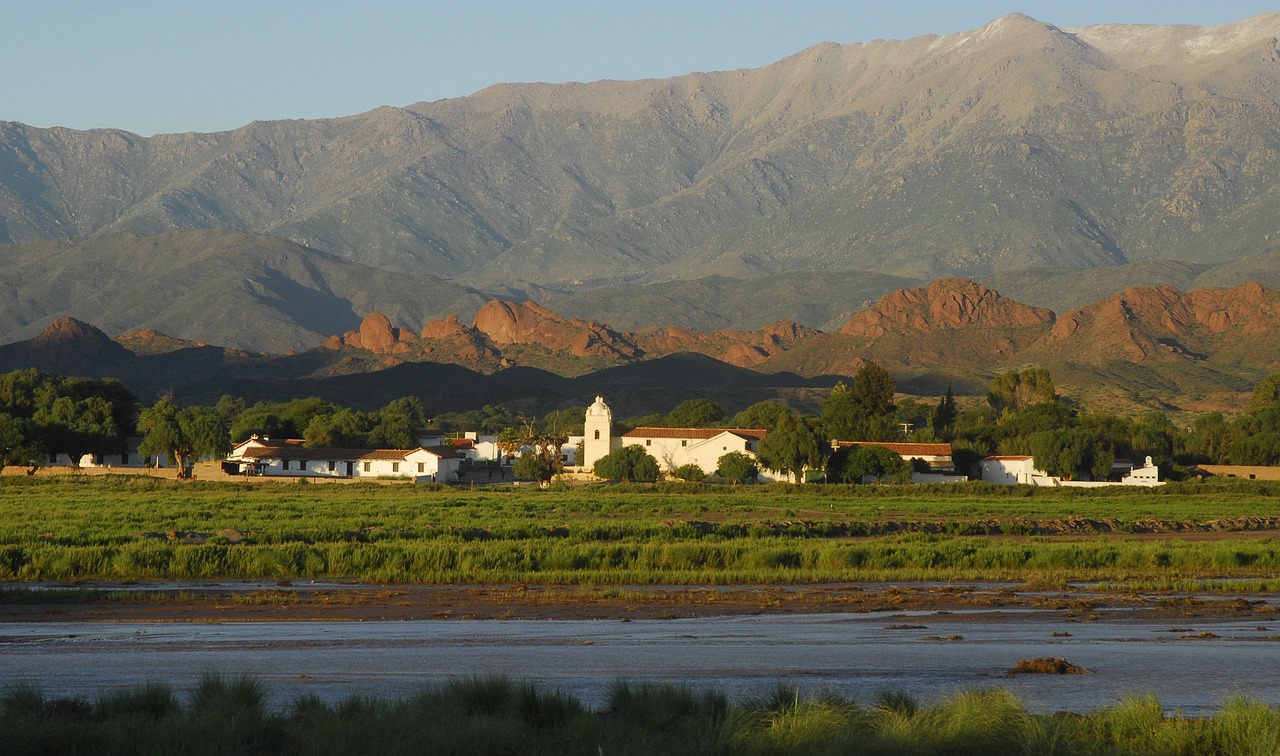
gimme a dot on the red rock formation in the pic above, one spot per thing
(376, 333)
(530, 323)
(948, 304)
(1159, 322)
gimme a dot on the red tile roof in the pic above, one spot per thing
(904, 449)
(698, 433)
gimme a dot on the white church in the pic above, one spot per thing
(671, 447)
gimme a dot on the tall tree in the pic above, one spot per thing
(1071, 452)
(1014, 391)
(873, 388)
(182, 435)
(695, 413)
(18, 445)
(793, 447)
(944, 419)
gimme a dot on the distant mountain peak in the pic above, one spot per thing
(67, 331)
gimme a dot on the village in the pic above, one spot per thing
(473, 459)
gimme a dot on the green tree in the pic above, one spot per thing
(1014, 391)
(737, 467)
(690, 472)
(1071, 452)
(398, 424)
(873, 388)
(793, 447)
(695, 413)
(630, 463)
(260, 423)
(182, 435)
(541, 457)
(1209, 439)
(18, 445)
(855, 464)
(76, 427)
(761, 415)
(533, 466)
(346, 428)
(944, 419)
(510, 441)
(1265, 394)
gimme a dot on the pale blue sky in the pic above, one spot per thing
(155, 66)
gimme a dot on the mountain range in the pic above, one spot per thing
(1104, 173)
(1013, 154)
(1145, 347)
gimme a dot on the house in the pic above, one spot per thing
(474, 446)
(675, 447)
(1248, 472)
(671, 447)
(936, 456)
(129, 457)
(1011, 469)
(1014, 469)
(292, 457)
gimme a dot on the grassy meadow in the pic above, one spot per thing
(77, 528)
(497, 715)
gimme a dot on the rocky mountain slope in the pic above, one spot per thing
(249, 291)
(1015, 146)
(1146, 346)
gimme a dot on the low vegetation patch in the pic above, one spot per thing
(121, 529)
(498, 715)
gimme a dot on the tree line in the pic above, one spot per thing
(44, 415)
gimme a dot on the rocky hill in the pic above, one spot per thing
(1147, 346)
(1015, 146)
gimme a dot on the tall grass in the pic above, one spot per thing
(497, 715)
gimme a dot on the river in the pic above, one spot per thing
(1191, 667)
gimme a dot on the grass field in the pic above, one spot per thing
(119, 528)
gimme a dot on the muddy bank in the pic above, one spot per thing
(300, 601)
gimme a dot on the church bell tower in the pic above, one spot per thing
(598, 431)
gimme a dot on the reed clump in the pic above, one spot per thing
(484, 715)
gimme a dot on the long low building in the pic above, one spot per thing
(292, 457)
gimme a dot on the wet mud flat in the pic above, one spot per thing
(295, 601)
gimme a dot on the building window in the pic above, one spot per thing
(395, 467)
(367, 466)
(597, 436)
(124, 458)
(422, 467)
(648, 442)
(332, 465)
(284, 464)
(683, 442)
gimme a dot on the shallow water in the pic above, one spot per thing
(854, 655)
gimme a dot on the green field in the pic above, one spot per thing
(76, 528)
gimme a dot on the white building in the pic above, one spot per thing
(291, 457)
(1014, 469)
(671, 447)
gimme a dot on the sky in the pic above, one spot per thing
(165, 66)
